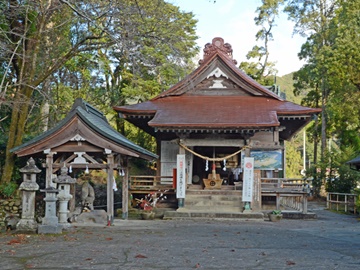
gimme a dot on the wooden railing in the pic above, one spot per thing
(343, 201)
(289, 192)
(286, 183)
(148, 182)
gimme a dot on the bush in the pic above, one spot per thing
(8, 190)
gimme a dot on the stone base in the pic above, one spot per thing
(65, 225)
(45, 229)
(94, 216)
(27, 225)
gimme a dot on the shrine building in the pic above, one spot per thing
(209, 123)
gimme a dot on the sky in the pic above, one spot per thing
(233, 20)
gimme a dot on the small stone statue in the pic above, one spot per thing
(87, 195)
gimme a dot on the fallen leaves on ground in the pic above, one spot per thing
(290, 263)
(19, 239)
(140, 256)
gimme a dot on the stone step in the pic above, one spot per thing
(198, 197)
(220, 209)
(213, 192)
(213, 203)
(184, 214)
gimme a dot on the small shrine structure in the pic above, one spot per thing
(354, 163)
(85, 140)
(213, 119)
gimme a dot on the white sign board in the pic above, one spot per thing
(248, 179)
(180, 177)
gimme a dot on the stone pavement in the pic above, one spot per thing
(330, 242)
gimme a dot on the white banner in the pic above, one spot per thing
(180, 177)
(248, 179)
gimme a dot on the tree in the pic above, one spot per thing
(263, 70)
(49, 41)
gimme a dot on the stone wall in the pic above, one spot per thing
(9, 207)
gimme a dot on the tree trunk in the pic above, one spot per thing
(16, 133)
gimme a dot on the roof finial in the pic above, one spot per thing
(217, 45)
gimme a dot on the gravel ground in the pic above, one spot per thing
(330, 242)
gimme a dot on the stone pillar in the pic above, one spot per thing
(28, 188)
(50, 223)
(64, 181)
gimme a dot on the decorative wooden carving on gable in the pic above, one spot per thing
(217, 44)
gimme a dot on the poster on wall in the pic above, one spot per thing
(265, 160)
(180, 177)
(248, 179)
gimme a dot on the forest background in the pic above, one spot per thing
(127, 51)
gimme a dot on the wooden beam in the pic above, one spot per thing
(213, 142)
(81, 165)
(90, 158)
(70, 147)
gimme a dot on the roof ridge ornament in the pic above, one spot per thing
(217, 45)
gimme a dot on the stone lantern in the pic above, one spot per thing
(28, 188)
(64, 181)
(50, 223)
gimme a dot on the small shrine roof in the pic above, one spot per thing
(355, 163)
(94, 121)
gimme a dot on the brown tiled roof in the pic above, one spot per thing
(239, 103)
(216, 112)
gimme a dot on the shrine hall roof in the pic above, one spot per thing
(232, 111)
(217, 95)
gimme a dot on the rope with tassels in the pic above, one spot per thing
(213, 159)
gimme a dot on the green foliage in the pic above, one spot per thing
(357, 203)
(276, 212)
(345, 181)
(262, 70)
(8, 190)
(334, 174)
(107, 52)
(293, 159)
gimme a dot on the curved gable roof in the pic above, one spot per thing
(221, 54)
(95, 122)
(217, 95)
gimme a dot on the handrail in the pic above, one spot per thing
(341, 199)
(150, 181)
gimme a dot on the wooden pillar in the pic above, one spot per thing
(277, 200)
(158, 152)
(125, 191)
(256, 197)
(110, 192)
(304, 203)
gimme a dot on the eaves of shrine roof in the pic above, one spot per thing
(216, 112)
(95, 122)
